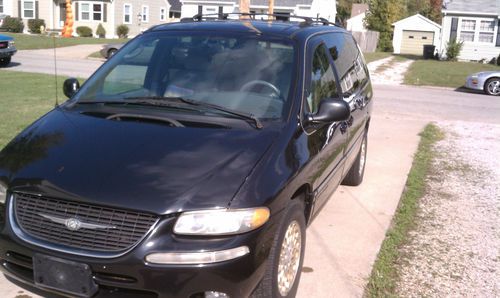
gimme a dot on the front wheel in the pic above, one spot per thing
(492, 86)
(4, 61)
(286, 256)
(355, 175)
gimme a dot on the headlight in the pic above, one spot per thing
(11, 44)
(3, 193)
(221, 222)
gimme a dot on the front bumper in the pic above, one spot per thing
(8, 52)
(474, 82)
(130, 275)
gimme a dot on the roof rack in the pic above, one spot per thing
(307, 21)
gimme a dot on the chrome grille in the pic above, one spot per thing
(127, 227)
(4, 44)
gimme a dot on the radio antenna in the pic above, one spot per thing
(55, 68)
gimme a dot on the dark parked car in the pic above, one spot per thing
(189, 164)
(109, 50)
(7, 49)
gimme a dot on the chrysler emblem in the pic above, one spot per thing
(73, 224)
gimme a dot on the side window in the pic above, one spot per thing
(322, 79)
(348, 62)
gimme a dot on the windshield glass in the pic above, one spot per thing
(244, 73)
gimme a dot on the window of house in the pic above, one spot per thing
(145, 13)
(127, 13)
(163, 13)
(91, 11)
(322, 79)
(174, 14)
(468, 29)
(29, 9)
(97, 12)
(486, 31)
(1, 6)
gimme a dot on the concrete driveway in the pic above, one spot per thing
(343, 241)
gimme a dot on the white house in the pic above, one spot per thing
(412, 33)
(476, 24)
(357, 21)
(312, 8)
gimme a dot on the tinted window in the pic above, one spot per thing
(348, 62)
(322, 79)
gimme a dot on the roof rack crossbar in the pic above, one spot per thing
(307, 21)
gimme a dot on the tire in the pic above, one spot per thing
(293, 222)
(5, 61)
(355, 175)
(111, 52)
(492, 86)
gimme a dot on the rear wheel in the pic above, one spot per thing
(492, 86)
(4, 61)
(355, 175)
(286, 256)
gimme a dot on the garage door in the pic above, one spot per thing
(413, 41)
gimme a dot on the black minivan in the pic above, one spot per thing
(189, 164)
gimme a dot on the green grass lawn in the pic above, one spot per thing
(370, 57)
(33, 42)
(21, 106)
(443, 73)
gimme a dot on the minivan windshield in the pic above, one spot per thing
(246, 73)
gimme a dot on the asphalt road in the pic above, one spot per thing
(344, 240)
(71, 61)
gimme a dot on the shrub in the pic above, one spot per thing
(35, 24)
(84, 31)
(453, 48)
(15, 25)
(100, 31)
(122, 31)
(385, 42)
(498, 60)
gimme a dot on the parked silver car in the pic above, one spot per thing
(487, 81)
(110, 49)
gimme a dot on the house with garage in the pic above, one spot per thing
(412, 33)
(312, 8)
(356, 23)
(476, 24)
(138, 15)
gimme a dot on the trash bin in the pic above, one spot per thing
(429, 51)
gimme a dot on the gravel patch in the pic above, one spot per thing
(388, 71)
(454, 250)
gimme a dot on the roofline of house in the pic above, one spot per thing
(445, 12)
(420, 16)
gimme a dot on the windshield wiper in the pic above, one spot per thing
(159, 99)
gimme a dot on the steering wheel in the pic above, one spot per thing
(251, 84)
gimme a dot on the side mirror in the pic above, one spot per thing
(330, 110)
(70, 87)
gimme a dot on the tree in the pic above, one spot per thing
(344, 9)
(381, 15)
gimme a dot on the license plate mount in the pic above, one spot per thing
(62, 275)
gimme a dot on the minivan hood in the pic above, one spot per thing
(139, 166)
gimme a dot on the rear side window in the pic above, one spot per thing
(347, 60)
(322, 79)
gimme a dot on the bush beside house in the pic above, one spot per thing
(100, 31)
(122, 31)
(34, 25)
(84, 31)
(453, 48)
(14, 25)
